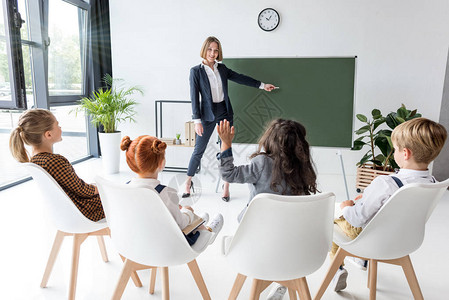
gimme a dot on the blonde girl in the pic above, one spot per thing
(39, 129)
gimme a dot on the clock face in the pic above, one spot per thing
(268, 19)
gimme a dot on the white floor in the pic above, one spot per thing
(27, 236)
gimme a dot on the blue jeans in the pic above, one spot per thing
(220, 113)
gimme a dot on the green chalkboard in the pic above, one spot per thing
(317, 92)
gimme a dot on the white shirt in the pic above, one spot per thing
(216, 85)
(169, 196)
(378, 192)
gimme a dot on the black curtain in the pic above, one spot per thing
(101, 60)
(100, 42)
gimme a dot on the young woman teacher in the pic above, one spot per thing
(210, 80)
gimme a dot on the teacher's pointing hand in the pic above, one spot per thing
(268, 87)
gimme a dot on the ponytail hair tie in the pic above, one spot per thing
(20, 129)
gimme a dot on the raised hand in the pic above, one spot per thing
(226, 133)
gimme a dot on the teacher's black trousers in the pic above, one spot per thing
(220, 113)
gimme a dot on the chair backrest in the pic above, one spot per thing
(58, 206)
(398, 227)
(142, 228)
(283, 237)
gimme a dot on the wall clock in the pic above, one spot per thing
(268, 19)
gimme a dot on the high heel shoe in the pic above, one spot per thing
(227, 198)
(187, 195)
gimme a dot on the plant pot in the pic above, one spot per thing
(178, 142)
(366, 173)
(110, 151)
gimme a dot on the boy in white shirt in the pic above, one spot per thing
(416, 143)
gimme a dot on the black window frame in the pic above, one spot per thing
(13, 23)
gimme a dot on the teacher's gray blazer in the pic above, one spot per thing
(199, 85)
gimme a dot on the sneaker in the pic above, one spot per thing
(215, 226)
(277, 292)
(358, 262)
(339, 280)
(205, 217)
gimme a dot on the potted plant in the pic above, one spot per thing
(178, 140)
(379, 159)
(109, 106)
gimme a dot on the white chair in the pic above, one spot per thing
(69, 221)
(146, 234)
(281, 239)
(392, 234)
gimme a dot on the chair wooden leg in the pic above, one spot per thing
(153, 280)
(196, 273)
(409, 272)
(258, 287)
(128, 268)
(369, 276)
(336, 263)
(78, 239)
(134, 276)
(237, 287)
(303, 289)
(372, 279)
(104, 254)
(165, 284)
(52, 257)
(292, 294)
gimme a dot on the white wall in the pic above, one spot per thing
(401, 48)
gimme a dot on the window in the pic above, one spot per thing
(43, 63)
(67, 50)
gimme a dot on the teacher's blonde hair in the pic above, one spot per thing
(206, 44)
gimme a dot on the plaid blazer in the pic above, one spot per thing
(82, 194)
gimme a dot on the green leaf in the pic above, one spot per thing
(378, 122)
(358, 145)
(391, 121)
(362, 118)
(393, 163)
(401, 120)
(365, 159)
(377, 162)
(376, 113)
(384, 132)
(389, 142)
(383, 145)
(402, 112)
(381, 158)
(363, 129)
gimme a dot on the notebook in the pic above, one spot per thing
(197, 222)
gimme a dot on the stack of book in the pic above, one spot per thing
(168, 141)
